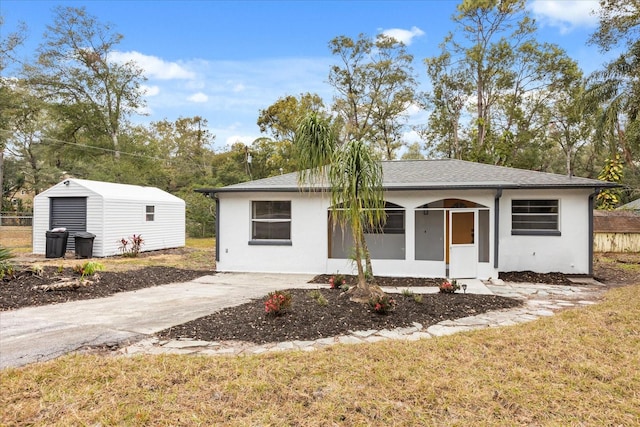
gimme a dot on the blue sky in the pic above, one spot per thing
(227, 60)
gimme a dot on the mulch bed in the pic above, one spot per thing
(19, 292)
(398, 282)
(308, 319)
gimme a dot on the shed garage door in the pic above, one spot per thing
(70, 213)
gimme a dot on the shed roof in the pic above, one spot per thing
(114, 191)
(435, 174)
(616, 222)
(634, 205)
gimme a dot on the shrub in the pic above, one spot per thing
(449, 287)
(382, 304)
(277, 302)
(89, 268)
(317, 295)
(337, 281)
(37, 270)
(7, 269)
(132, 246)
(417, 298)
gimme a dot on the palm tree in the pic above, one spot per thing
(355, 180)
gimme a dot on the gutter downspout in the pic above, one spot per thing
(590, 207)
(215, 197)
(496, 227)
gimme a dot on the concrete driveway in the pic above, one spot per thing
(37, 334)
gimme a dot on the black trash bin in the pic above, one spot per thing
(84, 244)
(56, 245)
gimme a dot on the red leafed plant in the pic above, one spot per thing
(277, 302)
(448, 287)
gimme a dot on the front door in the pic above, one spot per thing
(463, 253)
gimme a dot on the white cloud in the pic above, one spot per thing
(566, 14)
(150, 90)
(198, 97)
(238, 87)
(153, 66)
(404, 36)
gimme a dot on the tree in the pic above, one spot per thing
(281, 119)
(8, 46)
(75, 69)
(450, 94)
(375, 86)
(355, 179)
(609, 199)
(29, 123)
(618, 24)
(616, 88)
(187, 146)
(492, 85)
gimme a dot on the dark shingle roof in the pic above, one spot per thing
(616, 222)
(435, 174)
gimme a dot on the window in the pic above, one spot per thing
(534, 217)
(271, 222)
(150, 213)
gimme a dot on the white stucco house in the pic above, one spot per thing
(445, 218)
(111, 212)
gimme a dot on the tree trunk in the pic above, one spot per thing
(116, 147)
(363, 292)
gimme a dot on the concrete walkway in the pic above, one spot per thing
(41, 333)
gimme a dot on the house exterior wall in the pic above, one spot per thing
(309, 250)
(112, 219)
(567, 253)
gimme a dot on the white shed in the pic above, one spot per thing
(111, 212)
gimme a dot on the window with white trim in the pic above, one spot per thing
(150, 213)
(271, 222)
(535, 217)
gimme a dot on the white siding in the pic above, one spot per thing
(116, 214)
(567, 253)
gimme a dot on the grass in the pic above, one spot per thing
(18, 239)
(579, 367)
(197, 255)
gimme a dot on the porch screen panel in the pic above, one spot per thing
(483, 236)
(430, 226)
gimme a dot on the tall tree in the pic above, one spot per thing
(616, 88)
(187, 146)
(74, 68)
(375, 87)
(9, 44)
(355, 178)
(29, 123)
(493, 74)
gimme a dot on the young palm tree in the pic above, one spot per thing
(355, 180)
